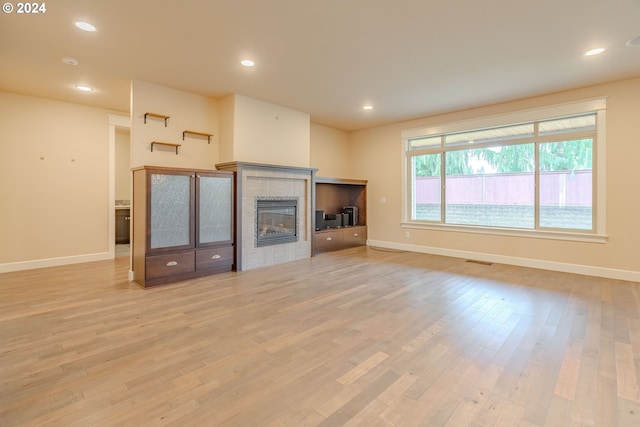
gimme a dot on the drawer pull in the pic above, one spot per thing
(215, 257)
(355, 234)
(329, 238)
(172, 263)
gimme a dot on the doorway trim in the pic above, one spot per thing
(115, 122)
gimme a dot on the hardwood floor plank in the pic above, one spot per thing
(361, 369)
(568, 377)
(626, 372)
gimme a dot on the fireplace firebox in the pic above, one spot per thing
(276, 221)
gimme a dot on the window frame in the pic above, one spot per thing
(597, 106)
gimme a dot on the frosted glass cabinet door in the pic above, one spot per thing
(170, 210)
(215, 198)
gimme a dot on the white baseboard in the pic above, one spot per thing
(53, 262)
(588, 270)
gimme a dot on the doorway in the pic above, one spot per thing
(122, 192)
(119, 185)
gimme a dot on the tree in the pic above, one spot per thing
(553, 156)
(510, 158)
(566, 155)
(427, 165)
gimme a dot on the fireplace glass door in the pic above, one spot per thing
(276, 221)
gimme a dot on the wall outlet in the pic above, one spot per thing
(383, 200)
(407, 234)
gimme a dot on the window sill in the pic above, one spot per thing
(531, 234)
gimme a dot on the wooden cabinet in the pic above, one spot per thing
(339, 238)
(182, 224)
(332, 195)
(122, 225)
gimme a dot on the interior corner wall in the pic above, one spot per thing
(54, 182)
(122, 165)
(330, 152)
(378, 156)
(186, 111)
(226, 128)
(270, 134)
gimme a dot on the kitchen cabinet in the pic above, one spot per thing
(122, 225)
(182, 224)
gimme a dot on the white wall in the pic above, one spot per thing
(54, 182)
(187, 112)
(226, 120)
(330, 152)
(267, 133)
(379, 158)
(122, 165)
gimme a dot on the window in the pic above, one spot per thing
(535, 176)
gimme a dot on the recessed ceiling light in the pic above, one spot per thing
(592, 52)
(247, 63)
(85, 26)
(633, 42)
(69, 60)
(368, 107)
(84, 88)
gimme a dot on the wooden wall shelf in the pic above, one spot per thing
(191, 132)
(156, 116)
(167, 144)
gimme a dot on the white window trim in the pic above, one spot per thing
(597, 105)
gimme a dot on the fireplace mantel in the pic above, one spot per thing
(235, 166)
(257, 180)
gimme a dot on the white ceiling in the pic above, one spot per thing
(408, 58)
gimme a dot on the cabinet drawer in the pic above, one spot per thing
(169, 264)
(214, 258)
(328, 240)
(355, 236)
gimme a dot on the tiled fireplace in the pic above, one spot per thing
(273, 213)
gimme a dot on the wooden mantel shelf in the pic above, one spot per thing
(156, 116)
(168, 144)
(192, 132)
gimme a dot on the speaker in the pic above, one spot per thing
(352, 211)
(320, 220)
(333, 221)
(330, 223)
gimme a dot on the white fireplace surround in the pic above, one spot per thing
(255, 181)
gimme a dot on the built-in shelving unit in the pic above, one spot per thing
(156, 116)
(331, 196)
(167, 144)
(194, 133)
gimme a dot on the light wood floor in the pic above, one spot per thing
(361, 337)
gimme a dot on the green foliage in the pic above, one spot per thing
(457, 162)
(510, 158)
(553, 156)
(427, 165)
(567, 155)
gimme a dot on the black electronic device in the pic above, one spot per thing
(333, 220)
(352, 211)
(319, 220)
